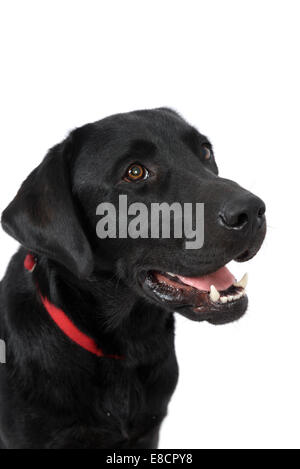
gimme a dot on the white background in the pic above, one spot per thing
(232, 69)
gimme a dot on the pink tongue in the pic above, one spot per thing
(221, 279)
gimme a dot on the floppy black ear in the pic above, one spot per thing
(43, 218)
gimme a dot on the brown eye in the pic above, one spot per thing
(136, 172)
(207, 153)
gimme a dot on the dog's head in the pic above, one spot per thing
(151, 157)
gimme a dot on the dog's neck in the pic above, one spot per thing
(106, 309)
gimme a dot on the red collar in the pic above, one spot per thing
(64, 323)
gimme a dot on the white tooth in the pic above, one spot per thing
(243, 282)
(230, 298)
(223, 299)
(214, 294)
(170, 273)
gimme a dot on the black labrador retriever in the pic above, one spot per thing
(88, 322)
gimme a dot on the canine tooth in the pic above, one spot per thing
(243, 282)
(170, 273)
(223, 299)
(214, 294)
(229, 297)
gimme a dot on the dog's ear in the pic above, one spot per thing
(43, 217)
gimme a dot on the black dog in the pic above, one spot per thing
(88, 323)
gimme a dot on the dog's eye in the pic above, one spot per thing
(136, 172)
(207, 153)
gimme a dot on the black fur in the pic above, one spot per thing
(53, 393)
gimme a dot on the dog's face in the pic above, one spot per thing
(151, 157)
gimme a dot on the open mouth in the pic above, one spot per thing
(216, 297)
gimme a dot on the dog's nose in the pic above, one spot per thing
(243, 213)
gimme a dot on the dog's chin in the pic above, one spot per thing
(215, 297)
(217, 315)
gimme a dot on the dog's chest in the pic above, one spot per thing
(138, 401)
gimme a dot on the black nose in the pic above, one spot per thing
(243, 213)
